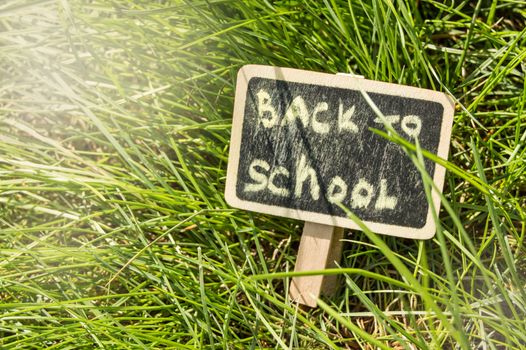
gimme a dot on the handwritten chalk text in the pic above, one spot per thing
(264, 177)
(320, 117)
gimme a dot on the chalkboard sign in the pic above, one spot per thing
(302, 146)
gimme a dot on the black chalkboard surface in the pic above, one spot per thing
(302, 146)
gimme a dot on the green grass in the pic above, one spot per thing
(114, 130)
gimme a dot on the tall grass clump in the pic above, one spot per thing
(115, 122)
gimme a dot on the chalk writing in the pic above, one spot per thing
(298, 110)
(363, 192)
(411, 124)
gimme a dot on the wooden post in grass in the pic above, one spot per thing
(320, 248)
(305, 144)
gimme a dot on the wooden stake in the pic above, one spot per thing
(320, 248)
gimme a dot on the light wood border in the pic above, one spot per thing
(338, 81)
